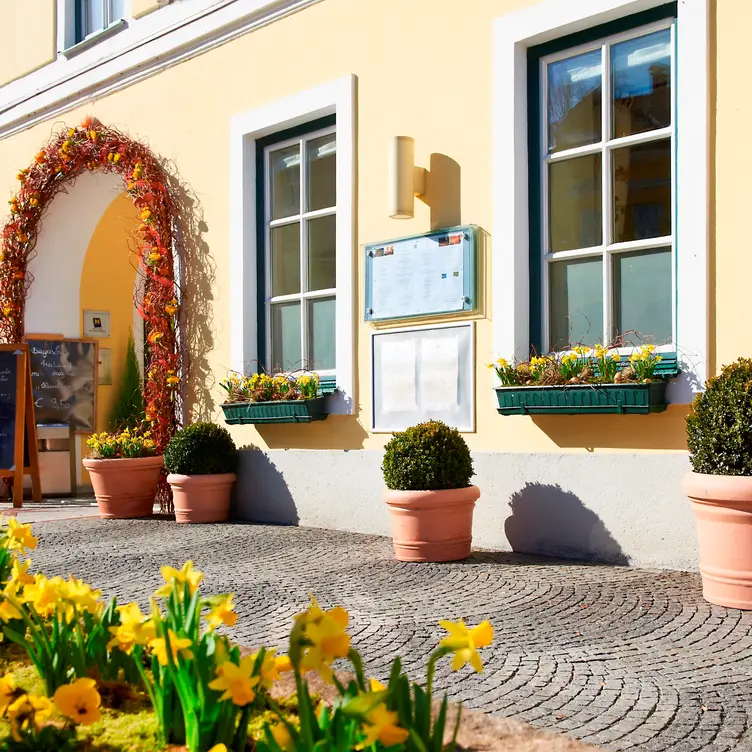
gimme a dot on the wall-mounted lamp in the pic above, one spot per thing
(406, 181)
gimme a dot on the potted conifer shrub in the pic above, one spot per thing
(719, 436)
(201, 460)
(427, 470)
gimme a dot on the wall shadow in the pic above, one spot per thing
(336, 432)
(261, 493)
(444, 192)
(548, 520)
(195, 278)
(665, 430)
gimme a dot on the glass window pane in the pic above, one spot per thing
(322, 236)
(285, 174)
(642, 191)
(576, 302)
(643, 299)
(117, 10)
(286, 342)
(574, 101)
(322, 172)
(574, 203)
(641, 76)
(92, 16)
(285, 259)
(321, 334)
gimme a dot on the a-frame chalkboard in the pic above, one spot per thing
(18, 432)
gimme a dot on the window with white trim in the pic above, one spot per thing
(93, 16)
(300, 241)
(607, 140)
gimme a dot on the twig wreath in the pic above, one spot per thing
(94, 147)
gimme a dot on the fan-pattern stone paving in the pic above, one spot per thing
(625, 659)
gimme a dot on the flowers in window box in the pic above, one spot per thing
(260, 387)
(581, 365)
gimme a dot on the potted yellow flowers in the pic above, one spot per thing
(585, 380)
(124, 469)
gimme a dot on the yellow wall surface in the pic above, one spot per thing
(423, 70)
(27, 37)
(107, 284)
(142, 7)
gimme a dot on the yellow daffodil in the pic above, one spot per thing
(326, 638)
(283, 663)
(81, 594)
(79, 701)
(186, 574)
(43, 594)
(19, 536)
(218, 748)
(236, 681)
(281, 734)
(270, 668)
(615, 356)
(223, 612)
(503, 362)
(26, 712)
(178, 647)
(381, 725)
(377, 686)
(19, 572)
(464, 642)
(7, 690)
(134, 629)
(8, 611)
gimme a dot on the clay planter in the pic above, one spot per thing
(125, 488)
(723, 512)
(432, 525)
(201, 498)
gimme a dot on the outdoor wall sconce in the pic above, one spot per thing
(406, 181)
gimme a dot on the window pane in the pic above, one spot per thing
(117, 10)
(642, 295)
(285, 259)
(641, 71)
(322, 172)
(574, 101)
(576, 302)
(285, 170)
(286, 342)
(321, 335)
(642, 191)
(322, 235)
(92, 16)
(574, 191)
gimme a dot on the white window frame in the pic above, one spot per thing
(301, 217)
(67, 43)
(605, 147)
(337, 98)
(514, 33)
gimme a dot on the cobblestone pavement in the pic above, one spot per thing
(621, 658)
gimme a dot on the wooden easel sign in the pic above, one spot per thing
(18, 432)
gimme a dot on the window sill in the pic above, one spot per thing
(94, 39)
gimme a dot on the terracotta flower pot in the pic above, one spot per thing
(125, 488)
(723, 512)
(201, 498)
(432, 525)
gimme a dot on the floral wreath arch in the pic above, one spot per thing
(69, 153)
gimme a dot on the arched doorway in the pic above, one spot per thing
(69, 155)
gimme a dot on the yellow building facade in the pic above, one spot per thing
(209, 86)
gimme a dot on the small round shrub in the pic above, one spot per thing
(719, 425)
(427, 457)
(201, 449)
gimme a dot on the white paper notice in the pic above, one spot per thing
(439, 374)
(397, 376)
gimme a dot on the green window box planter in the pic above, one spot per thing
(293, 411)
(583, 399)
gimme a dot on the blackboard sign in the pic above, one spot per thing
(63, 378)
(8, 379)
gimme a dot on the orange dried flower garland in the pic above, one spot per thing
(69, 153)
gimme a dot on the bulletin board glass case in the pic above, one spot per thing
(423, 275)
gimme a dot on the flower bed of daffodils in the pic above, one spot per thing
(82, 674)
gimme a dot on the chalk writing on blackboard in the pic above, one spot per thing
(63, 374)
(8, 376)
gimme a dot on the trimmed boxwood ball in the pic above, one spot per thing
(201, 449)
(427, 457)
(719, 425)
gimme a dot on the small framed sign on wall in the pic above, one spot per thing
(423, 373)
(96, 323)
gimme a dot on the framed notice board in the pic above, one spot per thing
(64, 381)
(424, 275)
(423, 373)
